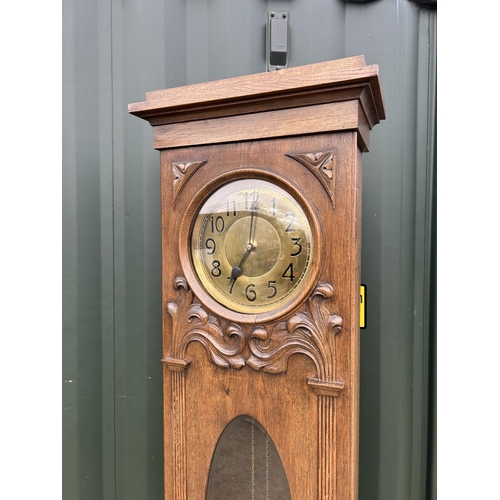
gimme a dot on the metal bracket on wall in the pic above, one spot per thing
(277, 39)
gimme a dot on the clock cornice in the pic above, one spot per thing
(343, 81)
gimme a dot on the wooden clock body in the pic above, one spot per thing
(295, 372)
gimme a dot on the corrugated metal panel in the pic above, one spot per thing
(115, 52)
(88, 311)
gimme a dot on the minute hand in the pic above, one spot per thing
(236, 270)
(253, 209)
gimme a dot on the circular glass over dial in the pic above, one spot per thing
(251, 246)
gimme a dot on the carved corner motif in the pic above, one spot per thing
(310, 332)
(181, 172)
(191, 323)
(322, 164)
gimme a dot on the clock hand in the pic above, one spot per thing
(236, 270)
(252, 209)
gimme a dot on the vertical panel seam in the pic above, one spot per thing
(429, 247)
(113, 237)
(427, 264)
(422, 254)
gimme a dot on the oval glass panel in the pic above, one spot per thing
(246, 464)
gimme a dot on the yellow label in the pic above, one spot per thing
(362, 306)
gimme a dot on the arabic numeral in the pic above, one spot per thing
(254, 197)
(216, 270)
(292, 217)
(270, 284)
(211, 246)
(217, 225)
(297, 244)
(250, 292)
(231, 207)
(288, 274)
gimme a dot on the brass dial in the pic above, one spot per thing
(251, 246)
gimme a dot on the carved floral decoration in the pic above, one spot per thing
(191, 323)
(310, 332)
(305, 332)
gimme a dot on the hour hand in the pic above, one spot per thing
(236, 270)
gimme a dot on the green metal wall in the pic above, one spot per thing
(116, 51)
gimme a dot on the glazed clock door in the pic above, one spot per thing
(247, 245)
(251, 246)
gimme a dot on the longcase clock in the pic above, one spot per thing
(261, 239)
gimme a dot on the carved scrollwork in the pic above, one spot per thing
(181, 172)
(306, 332)
(310, 332)
(322, 165)
(191, 323)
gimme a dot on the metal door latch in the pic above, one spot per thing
(277, 38)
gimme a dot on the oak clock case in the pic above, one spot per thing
(261, 253)
(251, 245)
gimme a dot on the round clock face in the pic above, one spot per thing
(252, 246)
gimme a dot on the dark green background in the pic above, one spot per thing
(116, 51)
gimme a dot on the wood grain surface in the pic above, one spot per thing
(309, 406)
